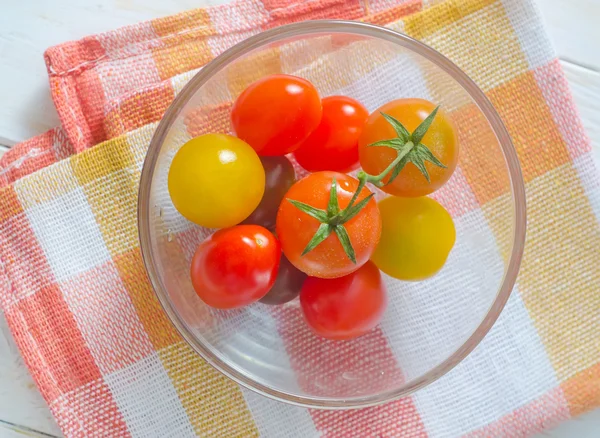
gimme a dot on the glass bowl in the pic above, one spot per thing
(429, 326)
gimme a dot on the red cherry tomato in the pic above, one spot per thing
(235, 266)
(276, 114)
(344, 307)
(334, 144)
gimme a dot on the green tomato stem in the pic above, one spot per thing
(376, 180)
(362, 180)
(364, 177)
(408, 147)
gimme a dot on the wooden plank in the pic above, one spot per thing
(27, 28)
(574, 30)
(21, 404)
(585, 426)
(9, 430)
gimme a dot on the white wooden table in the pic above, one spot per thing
(28, 27)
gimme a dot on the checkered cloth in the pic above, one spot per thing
(104, 355)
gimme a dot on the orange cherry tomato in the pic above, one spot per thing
(441, 140)
(295, 228)
(276, 114)
(345, 307)
(334, 144)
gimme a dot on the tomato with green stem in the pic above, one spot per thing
(418, 132)
(276, 114)
(216, 180)
(416, 238)
(327, 226)
(344, 307)
(322, 229)
(235, 266)
(333, 145)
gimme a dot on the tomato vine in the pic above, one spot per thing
(409, 150)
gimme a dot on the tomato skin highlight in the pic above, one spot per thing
(296, 228)
(441, 139)
(279, 177)
(416, 238)
(276, 114)
(345, 307)
(235, 266)
(216, 180)
(333, 145)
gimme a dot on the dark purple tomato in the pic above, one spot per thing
(279, 177)
(287, 285)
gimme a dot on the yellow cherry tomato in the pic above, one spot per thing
(216, 180)
(416, 237)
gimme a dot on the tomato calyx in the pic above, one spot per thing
(409, 147)
(333, 219)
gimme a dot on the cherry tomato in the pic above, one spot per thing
(345, 307)
(334, 144)
(296, 228)
(276, 114)
(287, 285)
(216, 180)
(416, 238)
(235, 266)
(280, 176)
(441, 140)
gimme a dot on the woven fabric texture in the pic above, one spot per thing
(107, 360)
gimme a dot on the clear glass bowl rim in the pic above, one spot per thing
(363, 29)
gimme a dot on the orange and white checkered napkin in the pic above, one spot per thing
(76, 297)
